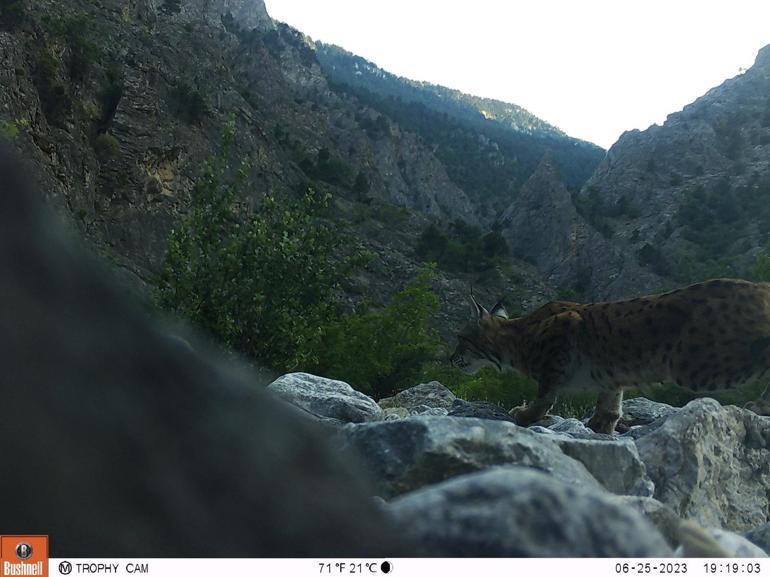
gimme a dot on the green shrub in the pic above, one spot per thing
(106, 146)
(462, 247)
(187, 103)
(382, 352)
(8, 130)
(261, 282)
(55, 100)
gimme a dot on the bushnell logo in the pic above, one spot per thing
(24, 551)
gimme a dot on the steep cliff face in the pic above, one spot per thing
(117, 105)
(691, 199)
(544, 227)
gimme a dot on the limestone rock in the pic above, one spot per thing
(520, 512)
(428, 395)
(615, 464)
(641, 411)
(479, 410)
(408, 454)
(326, 397)
(711, 464)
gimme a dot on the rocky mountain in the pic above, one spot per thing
(691, 199)
(544, 227)
(489, 147)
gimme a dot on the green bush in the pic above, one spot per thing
(382, 352)
(462, 247)
(262, 282)
(187, 103)
(8, 130)
(106, 146)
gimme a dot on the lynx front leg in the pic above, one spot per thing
(525, 415)
(762, 405)
(607, 412)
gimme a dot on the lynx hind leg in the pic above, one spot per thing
(525, 415)
(607, 413)
(762, 405)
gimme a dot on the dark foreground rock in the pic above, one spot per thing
(408, 454)
(711, 464)
(520, 512)
(121, 441)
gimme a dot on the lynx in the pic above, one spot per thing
(708, 336)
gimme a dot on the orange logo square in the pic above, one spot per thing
(24, 555)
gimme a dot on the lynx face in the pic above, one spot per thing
(475, 348)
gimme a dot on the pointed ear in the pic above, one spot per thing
(477, 310)
(499, 310)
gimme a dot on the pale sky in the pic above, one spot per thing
(594, 68)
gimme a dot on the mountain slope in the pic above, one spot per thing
(691, 199)
(489, 148)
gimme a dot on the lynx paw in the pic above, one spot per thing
(523, 415)
(603, 423)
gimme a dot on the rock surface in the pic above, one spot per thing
(419, 398)
(615, 464)
(408, 454)
(520, 512)
(641, 411)
(711, 464)
(326, 397)
(479, 410)
(760, 536)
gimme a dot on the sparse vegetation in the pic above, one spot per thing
(106, 146)
(8, 130)
(264, 283)
(464, 248)
(187, 103)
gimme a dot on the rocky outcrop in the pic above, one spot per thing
(711, 464)
(326, 398)
(543, 226)
(408, 454)
(614, 463)
(519, 512)
(682, 196)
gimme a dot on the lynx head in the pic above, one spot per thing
(475, 343)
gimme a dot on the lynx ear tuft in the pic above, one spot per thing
(499, 310)
(477, 310)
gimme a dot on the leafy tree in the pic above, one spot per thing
(382, 352)
(262, 282)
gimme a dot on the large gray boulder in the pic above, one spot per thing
(128, 444)
(408, 454)
(641, 411)
(326, 397)
(711, 464)
(615, 464)
(432, 395)
(521, 512)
